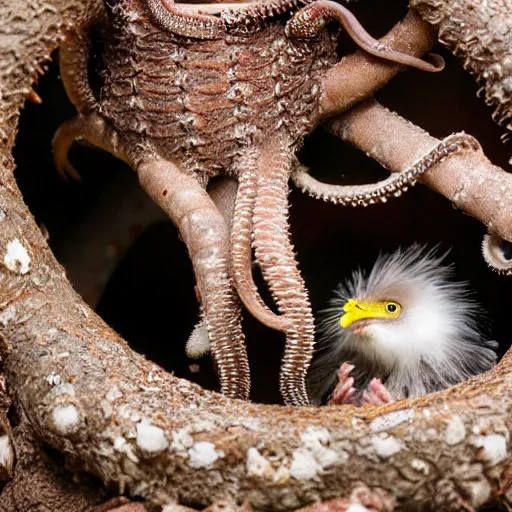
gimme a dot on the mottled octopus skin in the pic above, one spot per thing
(202, 103)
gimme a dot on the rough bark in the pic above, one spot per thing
(480, 33)
(468, 179)
(114, 414)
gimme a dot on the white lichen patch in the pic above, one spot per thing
(455, 431)
(65, 419)
(420, 466)
(151, 439)
(357, 507)
(113, 394)
(172, 507)
(106, 409)
(203, 454)
(181, 441)
(391, 420)
(493, 448)
(304, 466)
(358, 423)
(64, 388)
(282, 475)
(385, 445)
(53, 379)
(316, 440)
(122, 446)
(479, 492)
(257, 465)
(314, 455)
(16, 257)
(6, 453)
(8, 314)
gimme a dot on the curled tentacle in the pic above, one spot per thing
(91, 128)
(241, 253)
(185, 21)
(497, 254)
(276, 257)
(392, 186)
(74, 62)
(308, 22)
(206, 236)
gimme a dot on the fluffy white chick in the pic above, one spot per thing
(404, 323)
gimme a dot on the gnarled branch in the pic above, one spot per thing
(113, 413)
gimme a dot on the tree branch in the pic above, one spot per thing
(114, 414)
(467, 179)
(477, 31)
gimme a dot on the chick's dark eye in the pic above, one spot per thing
(391, 308)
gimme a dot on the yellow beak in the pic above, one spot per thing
(355, 311)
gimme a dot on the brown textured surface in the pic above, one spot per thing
(479, 32)
(205, 102)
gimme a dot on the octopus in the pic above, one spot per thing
(191, 92)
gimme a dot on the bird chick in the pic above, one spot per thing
(404, 326)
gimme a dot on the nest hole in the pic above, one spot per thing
(150, 299)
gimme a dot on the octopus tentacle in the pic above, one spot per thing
(275, 255)
(308, 22)
(91, 128)
(184, 21)
(73, 63)
(497, 253)
(241, 254)
(393, 186)
(206, 236)
(74, 56)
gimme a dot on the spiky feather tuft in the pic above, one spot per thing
(433, 344)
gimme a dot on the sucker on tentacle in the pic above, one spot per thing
(241, 253)
(254, 16)
(497, 254)
(308, 22)
(276, 258)
(183, 21)
(393, 186)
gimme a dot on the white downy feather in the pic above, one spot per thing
(434, 343)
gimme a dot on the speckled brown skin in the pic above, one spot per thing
(202, 107)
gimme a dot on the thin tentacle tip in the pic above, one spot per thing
(198, 343)
(437, 62)
(497, 253)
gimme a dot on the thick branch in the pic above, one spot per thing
(360, 75)
(480, 33)
(467, 179)
(115, 414)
